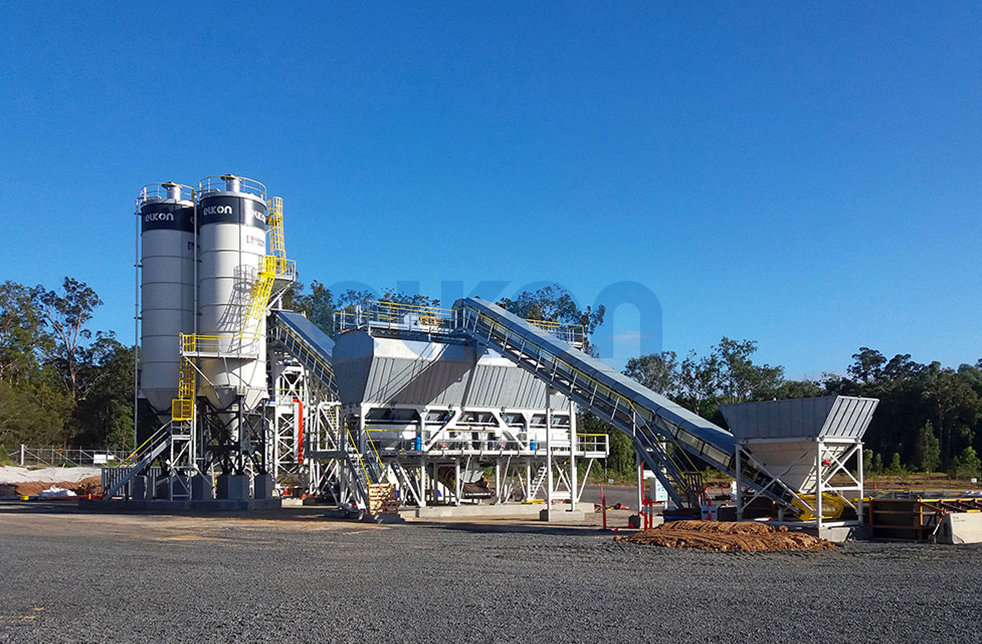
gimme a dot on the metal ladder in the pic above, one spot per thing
(536, 483)
(182, 407)
(274, 223)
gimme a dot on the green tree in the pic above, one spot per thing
(740, 380)
(104, 416)
(317, 305)
(868, 461)
(66, 315)
(656, 371)
(955, 404)
(877, 467)
(895, 466)
(799, 389)
(698, 384)
(966, 464)
(23, 336)
(927, 452)
(555, 304)
(34, 412)
(621, 461)
(867, 366)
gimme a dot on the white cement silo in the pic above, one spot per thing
(232, 243)
(166, 288)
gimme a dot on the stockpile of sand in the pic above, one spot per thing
(726, 536)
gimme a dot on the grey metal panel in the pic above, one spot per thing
(833, 416)
(850, 417)
(384, 370)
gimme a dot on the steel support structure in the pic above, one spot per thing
(830, 457)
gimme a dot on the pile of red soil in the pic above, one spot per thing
(726, 536)
(89, 485)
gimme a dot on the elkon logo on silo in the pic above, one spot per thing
(158, 216)
(208, 211)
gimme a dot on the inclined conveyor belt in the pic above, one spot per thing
(651, 420)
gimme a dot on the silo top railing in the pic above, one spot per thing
(153, 191)
(218, 184)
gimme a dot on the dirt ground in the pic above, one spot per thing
(294, 576)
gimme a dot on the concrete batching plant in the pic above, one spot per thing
(406, 405)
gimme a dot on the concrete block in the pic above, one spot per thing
(262, 486)
(238, 487)
(221, 486)
(201, 488)
(960, 528)
(563, 515)
(233, 487)
(138, 488)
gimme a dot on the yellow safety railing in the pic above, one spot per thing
(554, 327)
(361, 461)
(277, 238)
(182, 407)
(262, 287)
(314, 354)
(274, 222)
(413, 308)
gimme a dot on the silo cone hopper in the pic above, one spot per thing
(804, 443)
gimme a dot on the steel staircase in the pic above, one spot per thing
(262, 287)
(152, 448)
(536, 483)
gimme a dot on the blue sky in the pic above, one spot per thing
(807, 175)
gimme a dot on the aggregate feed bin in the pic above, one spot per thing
(805, 443)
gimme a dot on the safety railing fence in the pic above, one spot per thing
(163, 191)
(469, 439)
(318, 366)
(112, 476)
(431, 319)
(67, 456)
(393, 315)
(220, 184)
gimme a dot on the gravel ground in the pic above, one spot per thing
(67, 577)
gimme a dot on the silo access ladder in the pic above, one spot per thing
(653, 422)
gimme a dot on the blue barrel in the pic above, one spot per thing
(418, 444)
(532, 444)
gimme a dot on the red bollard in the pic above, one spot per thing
(603, 505)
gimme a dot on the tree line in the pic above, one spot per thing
(61, 383)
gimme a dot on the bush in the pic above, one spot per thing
(966, 464)
(895, 466)
(877, 466)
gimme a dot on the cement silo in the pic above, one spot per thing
(232, 245)
(166, 287)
